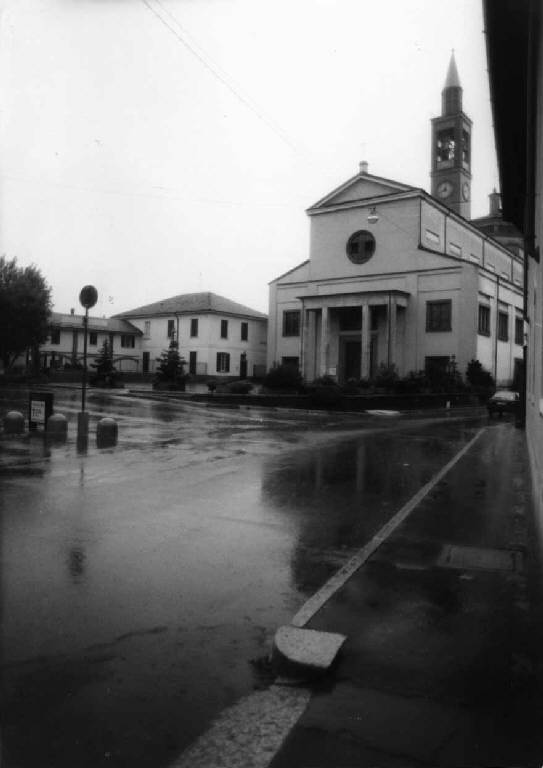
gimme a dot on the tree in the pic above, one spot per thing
(25, 309)
(105, 370)
(170, 369)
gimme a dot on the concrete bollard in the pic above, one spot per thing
(14, 423)
(106, 432)
(57, 426)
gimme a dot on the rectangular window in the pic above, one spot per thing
(244, 331)
(519, 331)
(93, 338)
(433, 237)
(455, 249)
(147, 328)
(483, 327)
(291, 322)
(128, 341)
(55, 336)
(224, 329)
(446, 147)
(291, 362)
(171, 328)
(438, 315)
(193, 327)
(223, 362)
(503, 326)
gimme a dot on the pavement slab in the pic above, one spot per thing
(443, 662)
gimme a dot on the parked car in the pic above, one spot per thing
(502, 402)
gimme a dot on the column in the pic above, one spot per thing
(304, 351)
(393, 331)
(365, 342)
(323, 362)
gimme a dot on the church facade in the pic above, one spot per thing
(398, 277)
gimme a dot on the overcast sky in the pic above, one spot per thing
(158, 147)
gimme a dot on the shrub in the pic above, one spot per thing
(415, 383)
(325, 381)
(386, 376)
(241, 387)
(478, 376)
(480, 380)
(351, 387)
(286, 377)
(325, 391)
(326, 395)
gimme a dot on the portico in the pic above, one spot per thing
(347, 336)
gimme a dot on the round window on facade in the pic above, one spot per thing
(360, 246)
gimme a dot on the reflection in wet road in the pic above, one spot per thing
(139, 582)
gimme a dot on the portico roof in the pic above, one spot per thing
(352, 298)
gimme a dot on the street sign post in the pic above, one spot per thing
(87, 298)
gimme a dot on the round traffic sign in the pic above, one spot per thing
(88, 296)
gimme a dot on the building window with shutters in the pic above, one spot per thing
(147, 328)
(128, 341)
(55, 336)
(438, 316)
(223, 362)
(291, 322)
(171, 328)
(244, 331)
(503, 326)
(483, 327)
(224, 329)
(93, 338)
(194, 327)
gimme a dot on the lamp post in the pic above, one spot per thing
(87, 298)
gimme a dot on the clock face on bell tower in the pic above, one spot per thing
(451, 148)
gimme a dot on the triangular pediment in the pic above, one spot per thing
(361, 187)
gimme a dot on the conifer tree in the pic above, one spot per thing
(104, 362)
(171, 366)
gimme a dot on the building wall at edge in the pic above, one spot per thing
(534, 373)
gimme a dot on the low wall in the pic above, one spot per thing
(345, 403)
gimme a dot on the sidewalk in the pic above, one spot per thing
(443, 663)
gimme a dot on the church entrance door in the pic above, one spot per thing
(352, 357)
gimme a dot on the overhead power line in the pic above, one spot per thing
(174, 26)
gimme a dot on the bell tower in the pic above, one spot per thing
(451, 148)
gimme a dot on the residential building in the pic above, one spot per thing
(65, 344)
(514, 31)
(396, 276)
(217, 336)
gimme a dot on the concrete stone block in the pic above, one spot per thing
(57, 426)
(14, 423)
(304, 652)
(106, 432)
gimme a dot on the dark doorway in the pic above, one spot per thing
(352, 357)
(192, 362)
(145, 362)
(243, 366)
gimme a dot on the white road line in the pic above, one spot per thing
(249, 733)
(316, 601)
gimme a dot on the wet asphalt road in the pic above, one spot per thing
(141, 584)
